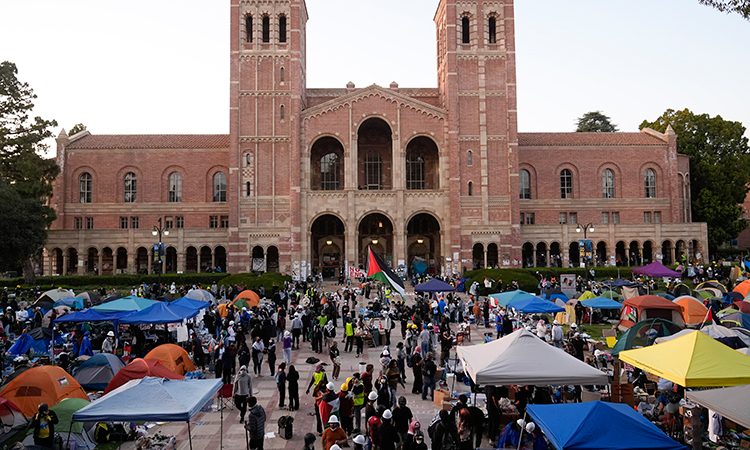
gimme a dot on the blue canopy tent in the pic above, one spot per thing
(602, 303)
(505, 298)
(151, 399)
(620, 283)
(90, 315)
(160, 313)
(597, 425)
(72, 302)
(130, 303)
(434, 285)
(535, 305)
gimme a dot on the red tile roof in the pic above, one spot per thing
(140, 141)
(586, 139)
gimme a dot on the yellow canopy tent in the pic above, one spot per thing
(693, 360)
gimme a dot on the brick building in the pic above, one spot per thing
(308, 178)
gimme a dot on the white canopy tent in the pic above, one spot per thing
(523, 358)
(731, 402)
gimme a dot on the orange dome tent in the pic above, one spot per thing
(42, 384)
(174, 358)
(693, 311)
(743, 288)
(250, 297)
(140, 368)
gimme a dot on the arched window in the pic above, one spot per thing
(608, 184)
(649, 183)
(249, 28)
(247, 189)
(415, 174)
(281, 75)
(524, 184)
(220, 187)
(329, 172)
(282, 28)
(373, 171)
(175, 187)
(465, 32)
(266, 29)
(469, 158)
(281, 112)
(248, 158)
(492, 26)
(131, 188)
(84, 188)
(471, 188)
(566, 184)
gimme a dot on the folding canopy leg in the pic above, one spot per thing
(190, 436)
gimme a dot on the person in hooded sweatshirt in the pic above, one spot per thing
(85, 347)
(256, 424)
(243, 388)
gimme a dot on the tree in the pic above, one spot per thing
(719, 169)
(77, 128)
(741, 7)
(595, 122)
(26, 176)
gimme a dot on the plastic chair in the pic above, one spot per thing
(226, 397)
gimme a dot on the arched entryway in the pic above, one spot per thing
(72, 268)
(327, 245)
(423, 243)
(121, 266)
(554, 255)
(477, 256)
(191, 260)
(170, 260)
(92, 261)
(574, 254)
(634, 257)
(375, 230)
(220, 258)
(206, 258)
(648, 252)
(327, 165)
(621, 254)
(493, 255)
(141, 260)
(374, 155)
(541, 254)
(601, 253)
(666, 251)
(57, 261)
(272, 259)
(527, 254)
(680, 251)
(108, 260)
(258, 259)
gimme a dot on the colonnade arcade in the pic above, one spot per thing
(421, 238)
(633, 253)
(121, 260)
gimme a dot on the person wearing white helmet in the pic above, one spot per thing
(334, 435)
(109, 345)
(557, 334)
(572, 331)
(388, 434)
(511, 434)
(371, 408)
(359, 442)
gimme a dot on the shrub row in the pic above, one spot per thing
(253, 281)
(118, 280)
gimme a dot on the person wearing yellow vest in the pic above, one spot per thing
(349, 335)
(44, 426)
(358, 391)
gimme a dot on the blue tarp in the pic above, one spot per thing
(72, 302)
(151, 399)
(90, 315)
(535, 305)
(160, 313)
(504, 298)
(26, 342)
(597, 425)
(187, 302)
(601, 303)
(419, 267)
(434, 285)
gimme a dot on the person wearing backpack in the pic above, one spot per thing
(445, 436)
(43, 424)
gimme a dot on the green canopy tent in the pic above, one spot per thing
(644, 333)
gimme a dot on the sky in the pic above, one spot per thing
(162, 67)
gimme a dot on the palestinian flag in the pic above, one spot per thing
(377, 269)
(710, 319)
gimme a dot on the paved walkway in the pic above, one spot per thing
(206, 427)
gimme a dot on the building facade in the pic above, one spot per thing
(308, 178)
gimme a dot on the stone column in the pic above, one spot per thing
(150, 258)
(198, 257)
(65, 263)
(484, 266)
(99, 262)
(546, 261)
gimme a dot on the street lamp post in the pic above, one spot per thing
(160, 231)
(585, 228)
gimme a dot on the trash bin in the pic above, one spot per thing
(362, 367)
(285, 427)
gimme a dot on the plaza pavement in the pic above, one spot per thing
(205, 426)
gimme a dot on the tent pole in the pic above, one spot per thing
(520, 435)
(70, 430)
(221, 426)
(190, 436)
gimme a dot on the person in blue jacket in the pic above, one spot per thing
(85, 346)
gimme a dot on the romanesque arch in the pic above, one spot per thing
(423, 242)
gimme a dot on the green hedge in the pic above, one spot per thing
(118, 280)
(252, 281)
